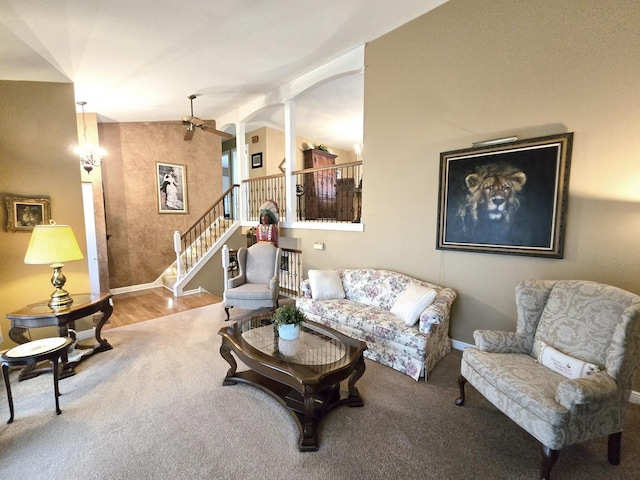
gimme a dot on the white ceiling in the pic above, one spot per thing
(138, 60)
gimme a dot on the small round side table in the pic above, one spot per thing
(30, 353)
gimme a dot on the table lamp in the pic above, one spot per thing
(54, 244)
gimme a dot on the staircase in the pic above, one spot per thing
(200, 242)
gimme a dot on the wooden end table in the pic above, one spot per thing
(39, 315)
(304, 374)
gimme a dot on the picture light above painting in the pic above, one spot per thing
(506, 198)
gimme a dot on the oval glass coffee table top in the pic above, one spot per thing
(36, 347)
(312, 347)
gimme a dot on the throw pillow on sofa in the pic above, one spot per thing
(325, 285)
(411, 302)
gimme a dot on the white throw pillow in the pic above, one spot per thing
(411, 302)
(563, 364)
(325, 284)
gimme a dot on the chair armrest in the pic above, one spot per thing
(498, 341)
(236, 281)
(274, 283)
(592, 389)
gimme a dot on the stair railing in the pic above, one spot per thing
(194, 243)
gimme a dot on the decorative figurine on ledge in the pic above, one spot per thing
(267, 231)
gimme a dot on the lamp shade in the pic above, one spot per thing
(52, 244)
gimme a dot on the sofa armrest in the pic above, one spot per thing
(592, 389)
(499, 341)
(305, 288)
(438, 312)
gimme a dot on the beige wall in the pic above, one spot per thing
(271, 143)
(475, 70)
(140, 246)
(38, 129)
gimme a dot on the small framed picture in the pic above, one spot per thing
(171, 183)
(24, 213)
(256, 160)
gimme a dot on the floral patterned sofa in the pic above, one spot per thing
(365, 313)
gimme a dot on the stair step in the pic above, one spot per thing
(169, 281)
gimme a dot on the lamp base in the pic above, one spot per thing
(60, 299)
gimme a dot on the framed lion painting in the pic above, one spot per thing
(506, 198)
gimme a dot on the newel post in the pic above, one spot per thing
(225, 264)
(177, 247)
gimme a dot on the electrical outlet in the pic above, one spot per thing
(318, 246)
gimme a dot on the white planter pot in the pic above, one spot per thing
(289, 332)
(288, 348)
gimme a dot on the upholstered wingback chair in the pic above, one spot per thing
(257, 284)
(565, 374)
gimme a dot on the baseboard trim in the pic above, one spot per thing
(133, 288)
(458, 345)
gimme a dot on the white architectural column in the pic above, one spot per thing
(242, 164)
(290, 157)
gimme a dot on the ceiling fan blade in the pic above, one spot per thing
(196, 121)
(216, 132)
(188, 135)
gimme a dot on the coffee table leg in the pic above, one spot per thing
(226, 354)
(354, 399)
(5, 374)
(309, 436)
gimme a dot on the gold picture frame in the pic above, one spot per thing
(24, 213)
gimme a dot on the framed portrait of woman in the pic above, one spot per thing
(171, 183)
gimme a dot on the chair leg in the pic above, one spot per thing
(461, 383)
(226, 309)
(549, 457)
(614, 448)
(5, 374)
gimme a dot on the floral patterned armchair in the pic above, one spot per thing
(580, 390)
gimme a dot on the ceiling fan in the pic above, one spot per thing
(194, 122)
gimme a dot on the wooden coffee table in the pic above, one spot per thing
(304, 374)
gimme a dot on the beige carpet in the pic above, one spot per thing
(154, 408)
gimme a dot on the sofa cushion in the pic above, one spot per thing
(325, 284)
(383, 324)
(373, 287)
(411, 302)
(337, 310)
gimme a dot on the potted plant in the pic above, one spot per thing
(287, 318)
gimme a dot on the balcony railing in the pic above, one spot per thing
(290, 272)
(327, 194)
(259, 190)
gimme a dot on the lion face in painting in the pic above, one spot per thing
(492, 195)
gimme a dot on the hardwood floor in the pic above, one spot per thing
(133, 307)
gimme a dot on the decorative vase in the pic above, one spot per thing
(289, 332)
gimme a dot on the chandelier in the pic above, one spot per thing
(90, 156)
